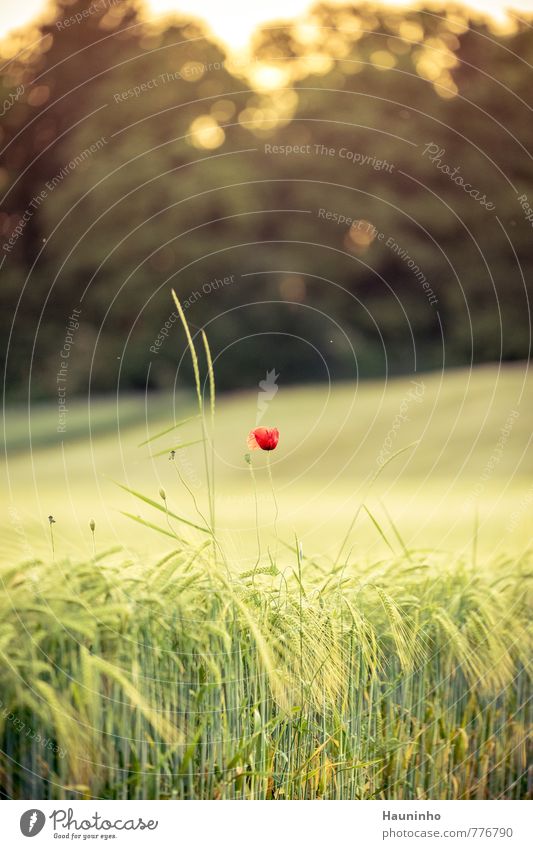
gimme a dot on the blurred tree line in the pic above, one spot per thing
(136, 157)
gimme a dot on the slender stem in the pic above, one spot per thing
(276, 514)
(168, 520)
(216, 544)
(191, 493)
(212, 393)
(198, 386)
(254, 484)
(206, 465)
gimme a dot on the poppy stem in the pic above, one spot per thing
(276, 514)
(254, 484)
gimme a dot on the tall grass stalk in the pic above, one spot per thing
(275, 500)
(248, 460)
(211, 375)
(198, 386)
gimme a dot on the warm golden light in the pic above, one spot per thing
(14, 14)
(206, 134)
(233, 22)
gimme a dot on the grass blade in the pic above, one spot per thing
(378, 528)
(150, 525)
(168, 430)
(160, 507)
(177, 447)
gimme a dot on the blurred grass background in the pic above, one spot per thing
(330, 441)
(183, 189)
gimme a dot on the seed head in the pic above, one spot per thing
(163, 494)
(92, 525)
(51, 520)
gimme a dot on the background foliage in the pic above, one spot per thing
(159, 203)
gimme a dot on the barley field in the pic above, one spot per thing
(404, 680)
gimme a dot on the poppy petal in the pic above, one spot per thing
(263, 437)
(252, 442)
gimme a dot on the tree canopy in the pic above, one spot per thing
(354, 199)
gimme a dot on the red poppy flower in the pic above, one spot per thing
(263, 437)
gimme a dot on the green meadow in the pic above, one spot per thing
(467, 466)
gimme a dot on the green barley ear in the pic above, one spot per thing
(211, 373)
(192, 349)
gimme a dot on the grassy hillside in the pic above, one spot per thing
(472, 430)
